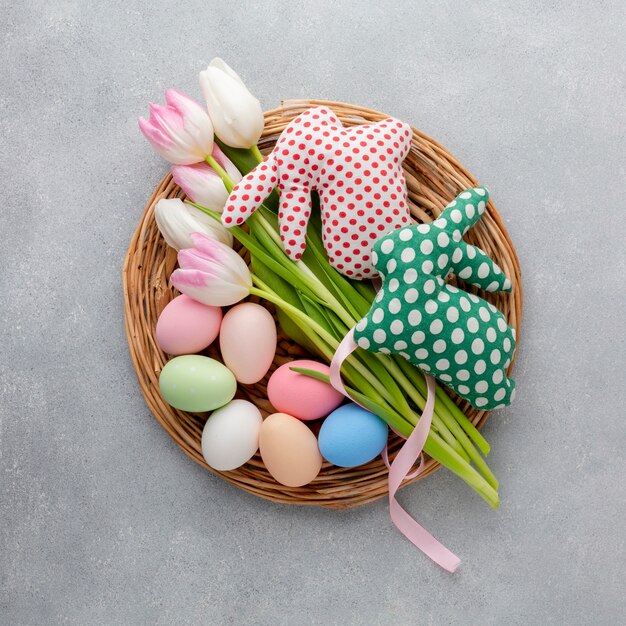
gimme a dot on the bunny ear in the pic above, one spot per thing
(395, 134)
(465, 210)
(475, 267)
(293, 217)
(250, 192)
(321, 115)
(403, 137)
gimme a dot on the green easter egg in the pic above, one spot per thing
(196, 383)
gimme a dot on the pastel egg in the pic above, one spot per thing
(230, 436)
(196, 383)
(302, 396)
(351, 436)
(186, 326)
(248, 341)
(289, 450)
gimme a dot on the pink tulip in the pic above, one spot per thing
(211, 273)
(202, 184)
(180, 132)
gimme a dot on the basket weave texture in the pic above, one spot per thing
(434, 178)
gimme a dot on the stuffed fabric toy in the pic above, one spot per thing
(357, 173)
(455, 336)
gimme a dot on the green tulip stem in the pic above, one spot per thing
(229, 183)
(257, 153)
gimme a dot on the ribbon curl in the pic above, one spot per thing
(401, 466)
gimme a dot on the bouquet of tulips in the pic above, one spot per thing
(210, 148)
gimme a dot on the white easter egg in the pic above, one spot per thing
(231, 435)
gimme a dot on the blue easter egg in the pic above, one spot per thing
(351, 436)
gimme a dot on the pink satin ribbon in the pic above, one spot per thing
(402, 464)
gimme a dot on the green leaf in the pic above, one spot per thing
(364, 288)
(288, 293)
(317, 314)
(292, 330)
(332, 323)
(373, 363)
(280, 286)
(320, 347)
(317, 261)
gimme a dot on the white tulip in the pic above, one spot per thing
(177, 221)
(236, 114)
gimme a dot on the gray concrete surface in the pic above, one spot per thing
(105, 521)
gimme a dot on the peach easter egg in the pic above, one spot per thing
(289, 450)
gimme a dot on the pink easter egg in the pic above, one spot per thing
(248, 341)
(302, 396)
(187, 327)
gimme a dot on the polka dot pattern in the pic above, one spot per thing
(357, 173)
(456, 336)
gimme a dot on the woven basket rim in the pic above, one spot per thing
(434, 177)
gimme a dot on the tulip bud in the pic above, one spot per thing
(180, 132)
(211, 273)
(177, 221)
(202, 184)
(236, 114)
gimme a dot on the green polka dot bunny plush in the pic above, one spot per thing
(457, 337)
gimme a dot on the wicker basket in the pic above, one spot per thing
(434, 177)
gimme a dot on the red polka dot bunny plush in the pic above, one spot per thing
(357, 173)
